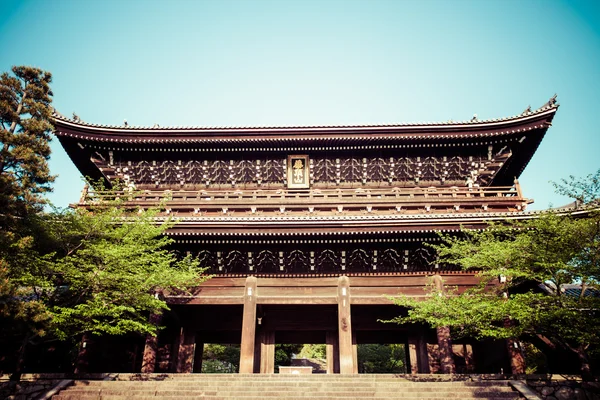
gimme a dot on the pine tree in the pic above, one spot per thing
(25, 127)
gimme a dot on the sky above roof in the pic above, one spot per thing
(318, 62)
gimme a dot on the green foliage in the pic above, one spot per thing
(220, 359)
(113, 268)
(381, 358)
(284, 353)
(535, 360)
(317, 351)
(25, 127)
(586, 190)
(535, 259)
(97, 271)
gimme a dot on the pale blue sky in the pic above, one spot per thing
(237, 63)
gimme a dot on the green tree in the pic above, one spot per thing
(25, 128)
(381, 358)
(97, 271)
(533, 260)
(220, 358)
(114, 268)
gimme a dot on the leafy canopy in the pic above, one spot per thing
(524, 267)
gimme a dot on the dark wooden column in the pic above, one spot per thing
(517, 361)
(418, 355)
(248, 327)
(151, 347)
(332, 352)
(187, 347)
(267, 352)
(345, 327)
(443, 338)
(198, 354)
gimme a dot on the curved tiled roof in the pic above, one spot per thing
(474, 128)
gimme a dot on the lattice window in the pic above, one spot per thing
(327, 261)
(390, 260)
(207, 259)
(458, 169)
(236, 261)
(351, 170)
(297, 261)
(431, 169)
(378, 169)
(192, 172)
(404, 169)
(359, 260)
(218, 171)
(266, 261)
(422, 259)
(167, 172)
(244, 171)
(324, 170)
(141, 172)
(272, 171)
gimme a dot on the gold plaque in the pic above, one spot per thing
(298, 174)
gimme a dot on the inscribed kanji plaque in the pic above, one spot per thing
(297, 172)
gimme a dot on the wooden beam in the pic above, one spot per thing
(248, 327)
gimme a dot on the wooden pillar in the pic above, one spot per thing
(345, 327)
(82, 362)
(185, 355)
(354, 355)
(248, 327)
(443, 337)
(445, 350)
(418, 355)
(151, 347)
(198, 355)
(332, 352)
(517, 361)
(267, 352)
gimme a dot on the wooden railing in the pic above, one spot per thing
(314, 196)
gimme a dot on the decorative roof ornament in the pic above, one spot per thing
(125, 122)
(474, 119)
(76, 117)
(527, 110)
(552, 102)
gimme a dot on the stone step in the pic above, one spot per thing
(284, 387)
(279, 383)
(292, 379)
(209, 397)
(272, 391)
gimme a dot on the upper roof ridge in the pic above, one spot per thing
(551, 104)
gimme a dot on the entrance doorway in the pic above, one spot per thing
(283, 331)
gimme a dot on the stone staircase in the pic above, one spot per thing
(288, 387)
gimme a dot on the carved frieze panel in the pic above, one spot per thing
(298, 171)
(351, 170)
(317, 259)
(324, 170)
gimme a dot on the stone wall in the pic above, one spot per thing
(564, 389)
(29, 388)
